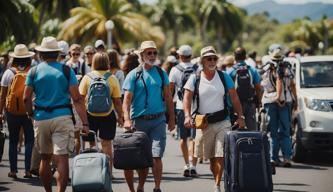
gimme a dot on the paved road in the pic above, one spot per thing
(314, 176)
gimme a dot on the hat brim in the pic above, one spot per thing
(43, 49)
(31, 54)
(208, 54)
(150, 47)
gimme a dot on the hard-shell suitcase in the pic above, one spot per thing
(132, 150)
(2, 141)
(247, 163)
(90, 170)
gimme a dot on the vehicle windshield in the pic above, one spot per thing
(316, 74)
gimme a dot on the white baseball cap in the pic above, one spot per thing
(185, 50)
(99, 43)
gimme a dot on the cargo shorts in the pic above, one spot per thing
(55, 136)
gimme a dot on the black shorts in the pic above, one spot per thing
(104, 126)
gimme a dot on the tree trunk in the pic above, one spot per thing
(219, 37)
(203, 29)
(175, 35)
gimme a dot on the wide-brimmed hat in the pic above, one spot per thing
(228, 60)
(49, 44)
(147, 45)
(185, 50)
(208, 51)
(276, 55)
(21, 51)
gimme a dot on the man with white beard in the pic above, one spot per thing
(147, 96)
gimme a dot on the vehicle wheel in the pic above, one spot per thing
(299, 152)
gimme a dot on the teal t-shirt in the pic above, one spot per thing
(153, 82)
(51, 88)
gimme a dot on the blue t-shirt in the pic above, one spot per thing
(153, 84)
(253, 71)
(51, 89)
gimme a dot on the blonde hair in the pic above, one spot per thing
(74, 47)
(100, 61)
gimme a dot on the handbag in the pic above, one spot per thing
(200, 121)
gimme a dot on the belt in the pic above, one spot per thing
(151, 117)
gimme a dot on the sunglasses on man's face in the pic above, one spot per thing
(90, 53)
(211, 58)
(149, 53)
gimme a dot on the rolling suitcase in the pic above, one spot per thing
(90, 170)
(132, 150)
(247, 163)
(2, 140)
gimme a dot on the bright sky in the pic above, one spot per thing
(246, 2)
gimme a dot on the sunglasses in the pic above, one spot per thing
(211, 58)
(149, 53)
(76, 54)
(90, 53)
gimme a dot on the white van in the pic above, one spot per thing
(314, 119)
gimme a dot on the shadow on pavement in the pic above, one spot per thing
(320, 158)
(291, 184)
(288, 190)
(304, 166)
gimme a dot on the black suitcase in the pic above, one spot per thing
(247, 163)
(2, 140)
(132, 150)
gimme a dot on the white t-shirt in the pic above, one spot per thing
(210, 93)
(7, 78)
(175, 76)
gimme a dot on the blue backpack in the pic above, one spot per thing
(99, 99)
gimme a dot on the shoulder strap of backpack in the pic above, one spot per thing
(107, 75)
(180, 68)
(221, 75)
(66, 70)
(196, 91)
(195, 67)
(139, 75)
(160, 72)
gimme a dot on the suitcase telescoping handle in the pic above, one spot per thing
(91, 137)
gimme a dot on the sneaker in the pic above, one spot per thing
(286, 163)
(193, 172)
(34, 172)
(217, 189)
(12, 175)
(276, 163)
(186, 171)
(27, 175)
(157, 190)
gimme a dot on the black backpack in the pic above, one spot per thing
(243, 84)
(139, 75)
(186, 73)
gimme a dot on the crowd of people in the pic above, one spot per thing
(47, 92)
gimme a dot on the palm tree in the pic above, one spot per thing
(306, 31)
(16, 19)
(54, 8)
(173, 15)
(224, 17)
(87, 23)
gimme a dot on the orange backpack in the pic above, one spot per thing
(14, 99)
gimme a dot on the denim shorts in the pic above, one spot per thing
(156, 131)
(183, 132)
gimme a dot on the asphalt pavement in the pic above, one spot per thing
(316, 175)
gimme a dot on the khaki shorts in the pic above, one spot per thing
(55, 136)
(209, 141)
